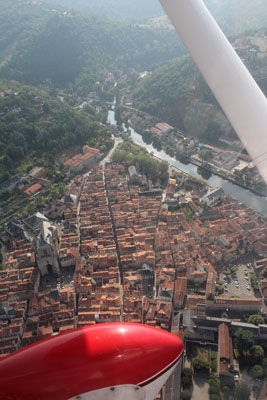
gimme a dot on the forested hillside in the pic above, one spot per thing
(170, 89)
(178, 94)
(239, 16)
(137, 9)
(234, 16)
(34, 124)
(49, 45)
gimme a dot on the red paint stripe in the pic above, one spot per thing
(154, 378)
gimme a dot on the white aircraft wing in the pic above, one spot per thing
(231, 83)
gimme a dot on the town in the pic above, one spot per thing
(133, 190)
(185, 258)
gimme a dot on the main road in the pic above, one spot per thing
(117, 141)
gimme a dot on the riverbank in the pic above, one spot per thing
(237, 192)
(217, 171)
(180, 171)
(246, 181)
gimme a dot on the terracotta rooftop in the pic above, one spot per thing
(33, 189)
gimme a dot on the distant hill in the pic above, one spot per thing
(237, 16)
(234, 16)
(137, 9)
(44, 44)
(178, 94)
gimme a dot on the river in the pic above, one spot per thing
(238, 193)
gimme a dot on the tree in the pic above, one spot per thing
(183, 158)
(214, 387)
(147, 137)
(201, 365)
(89, 109)
(233, 269)
(103, 148)
(254, 281)
(213, 380)
(118, 112)
(243, 391)
(46, 108)
(186, 377)
(186, 395)
(264, 365)
(244, 340)
(204, 173)
(226, 391)
(205, 155)
(256, 319)
(163, 167)
(213, 133)
(257, 352)
(54, 193)
(214, 396)
(157, 143)
(256, 371)
(220, 288)
(14, 152)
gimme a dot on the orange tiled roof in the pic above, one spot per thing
(33, 189)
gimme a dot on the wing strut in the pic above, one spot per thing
(231, 83)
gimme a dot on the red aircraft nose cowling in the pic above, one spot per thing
(87, 359)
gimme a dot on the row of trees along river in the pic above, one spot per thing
(238, 193)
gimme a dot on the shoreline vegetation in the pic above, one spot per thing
(130, 153)
(161, 144)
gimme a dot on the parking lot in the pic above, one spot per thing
(64, 281)
(238, 283)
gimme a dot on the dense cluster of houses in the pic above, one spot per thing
(135, 215)
(135, 256)
(97, 278)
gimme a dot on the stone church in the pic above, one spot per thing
(47, 249)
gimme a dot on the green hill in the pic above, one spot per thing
(33, 124)
(234, 16)
(43, 44)
(137, 9)
(178, 94)
(239, 16)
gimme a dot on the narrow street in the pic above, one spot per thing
(117, 141)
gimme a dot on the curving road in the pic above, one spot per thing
(117, 141)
